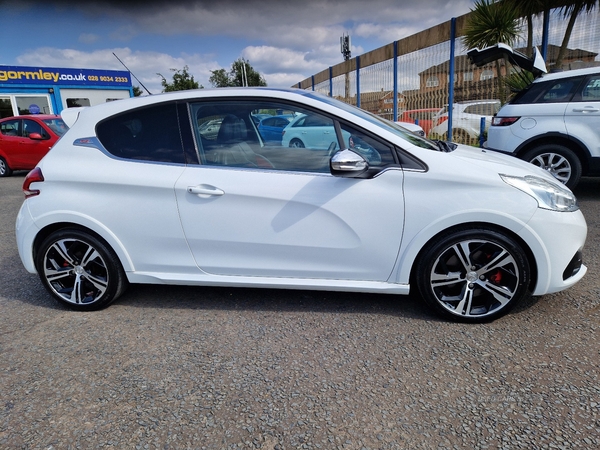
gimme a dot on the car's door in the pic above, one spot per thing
(11, 142)
(32, 150)
(582, 115)
(286, 221)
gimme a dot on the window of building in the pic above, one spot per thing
(32, 104)
(432, 81)
(77, 102)
(486, 75)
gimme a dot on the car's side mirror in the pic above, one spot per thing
(36, 136)
(349, 164)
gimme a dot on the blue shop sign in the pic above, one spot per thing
(50, 75)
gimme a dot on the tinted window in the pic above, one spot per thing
(77, 102)
(30, 126)
(553, 91)
(591, 90)
(150, 134)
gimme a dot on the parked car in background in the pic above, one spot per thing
(271, 128)
(24, 140)
(555, 124)
(376, 209)
(422, 117)
(412, 127)
(466, 120)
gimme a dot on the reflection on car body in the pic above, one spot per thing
(366, 207)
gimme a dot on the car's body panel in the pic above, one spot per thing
(249, 226)
(22, 152)
(571, 120)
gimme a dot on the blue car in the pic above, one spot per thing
(272, 127)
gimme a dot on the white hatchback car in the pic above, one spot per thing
(466, 120)
(135, 193)
(554, 123)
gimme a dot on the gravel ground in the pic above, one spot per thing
(178, 367)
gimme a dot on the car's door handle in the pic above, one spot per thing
(205, 189)
(586, 109)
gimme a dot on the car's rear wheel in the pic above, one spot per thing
(5, 171)
(474, 275)
(296, 143)
(80, 270)
(557, 159)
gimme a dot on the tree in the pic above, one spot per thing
(137, 91)
(241, 74)
(490, 23)
(572, 9)
(182, 81)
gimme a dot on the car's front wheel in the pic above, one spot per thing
(80, 270)
(5, 171)
(473, 275)
(557, 159)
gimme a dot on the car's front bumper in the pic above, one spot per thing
(555, 238)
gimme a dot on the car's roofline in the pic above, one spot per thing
(567, 74)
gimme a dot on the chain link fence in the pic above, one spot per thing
(410, 79)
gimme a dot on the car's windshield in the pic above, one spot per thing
(57, 125)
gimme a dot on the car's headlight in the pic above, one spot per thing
(552, 196)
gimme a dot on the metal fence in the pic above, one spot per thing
(430, 70)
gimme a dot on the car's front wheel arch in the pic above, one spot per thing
(474, 228)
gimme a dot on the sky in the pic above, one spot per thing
(286, 41)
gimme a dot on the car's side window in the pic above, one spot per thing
(150, 134)
(30, 126)
(373, 150)
(263, 135)
(11, 128)
(591, 90)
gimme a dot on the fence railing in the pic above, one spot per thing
(430, 70)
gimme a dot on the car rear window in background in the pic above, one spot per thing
(150, 134)
(552, 91)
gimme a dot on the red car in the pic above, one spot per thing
(423, 116)
(24, 140)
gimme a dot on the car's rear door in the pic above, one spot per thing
(582, 115)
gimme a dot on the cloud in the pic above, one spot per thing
(144, 65)
(88, 38)
(284, 41)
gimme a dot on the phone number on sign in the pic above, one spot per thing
(107, 79)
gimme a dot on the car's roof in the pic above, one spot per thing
(567, 73)
(70, 115)
(33, 116)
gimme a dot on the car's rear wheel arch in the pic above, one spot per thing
(78, 267)
(480, 226)
(558, 139)
(54, 227)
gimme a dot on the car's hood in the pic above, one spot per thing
(499, 162)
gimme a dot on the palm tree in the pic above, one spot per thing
(490, 23)
(571, 9)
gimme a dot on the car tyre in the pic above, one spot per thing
(5, 171)
(474, 275)
(80, 270)
(296, 143)
(557, 159)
